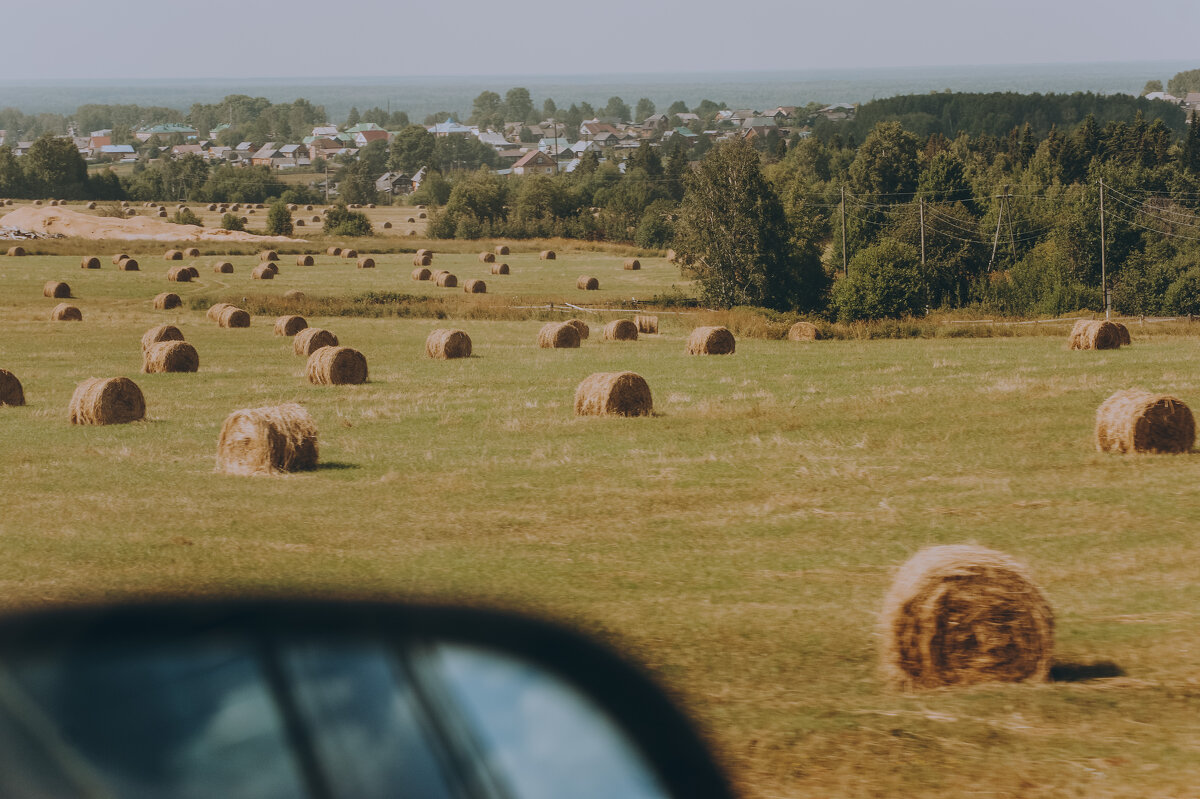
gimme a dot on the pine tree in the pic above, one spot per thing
(1190, 155)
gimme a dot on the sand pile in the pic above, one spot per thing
(62, 222)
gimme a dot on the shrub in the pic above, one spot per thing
(341, 221)
(185, 217)
(884, 282)
(232, 222)
(279, 220)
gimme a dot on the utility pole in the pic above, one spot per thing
(845, 267)
(1103, 265)
(922, 209)
(996, 237)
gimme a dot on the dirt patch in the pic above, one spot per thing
(60, 221)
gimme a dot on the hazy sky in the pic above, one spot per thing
(305, 38)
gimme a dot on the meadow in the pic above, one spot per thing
(738, 543)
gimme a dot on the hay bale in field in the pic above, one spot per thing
(127, 265)
(711, 341)
(194, 272)
(56, 289)
(305, 260)
(422, 260)
(166, 301)
(37, 202)
(264, 271)
(214, 311)
(170, 356)
(290, 325)
(349, 253)
(212, 206)
(633, 264)
(960, 615)
(173, 255)
(116, 259)
(557, 336)
(366, 263)
(421, 273)
(293, 294)
(311, 339)
(446, 280)
(500, 269)
(613, 394)
(308, 208)
(475, 287)
(804, 331)
(282, 438)
(232, 316)
(447, 343)
(621, 330)
(223, 268)
(268, 255)
(646, 324)
(547, 255)
(411, 220)
(1094, 335)
(11, 392)
(501, 249)
(292, 207)
(300, 223)
(423, 252)
(581, 326)
(1124, 334)
(159, 334)
(115, 400)
(1139, 421)
(333, 250)
(91, 206)
(316, 218)
(191, 252)
(17, 251)
(487, 257)
(336, 366)
(387, 225)
(421, 215)
(162, 214)
(89, 262)
(179, 274)
(587, 283)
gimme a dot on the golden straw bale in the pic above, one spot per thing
(300, 223)
(91, 206)
(173, 255)
(292, 207)
(423, 252)
(475, 287)
(621, 330)
(89, 262)
(194, 272)
(191, 252)
(268, 255)
(170, 356)
(179, 274)
(586, 283)
(547, 255)
(421, 273)
(633, 264)
(960, 615)
(223, 267)
(304, 260)
(293, 294)
(446, 343)
(446, 280)
(332, 250)
(613, 394)
(11, 392)
(804, 331)
(311, 339)
(282, 438)
(214, 311)
(422, 260)
(127, 265)
(264, 271)
(336, 366)
(501, 249)
(558, 335)
(366, 263)
(115, 400)
(349, 253)
(166, 301)
(711, 341)
(290, 325)
(581, 326)
(63, 312)
(116, 259)
(1139, 421)
(646, 324)
(16, 251)
(159, 334)
(500, 269)
(487, 257)
(316, 218)
(232, 316)
(1095, 335)
(1124, 334)
(56, 289)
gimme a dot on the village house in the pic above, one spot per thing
(450, 127)
(393, 183)
(264, 154)
(534, 162)
(164, 130)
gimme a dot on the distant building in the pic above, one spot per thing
(534, 162)
(164, 130)
(394, 183)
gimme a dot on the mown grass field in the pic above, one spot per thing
(739, 543)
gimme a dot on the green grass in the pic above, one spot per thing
(739, 543)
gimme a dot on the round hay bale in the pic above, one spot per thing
(166, 301)
(420, 208)
(11, 392)
(116, 259)
(500, 269)
(501, 249)
(268, 255)
(232, 316)
(423, 252)
(173, 255)
(63, 312)
(282, 438)
(711, 341)
(804, 331)
(447, 343)
(410, 221)
(56, 289)
(586, 283)
(548, 255)
(446, 280)
(333, 250)
(387, 225)
(557, 336)
(1094, 335)
(349, 253)
(89, 262)
(17, 251)
(91, 206)
(290, 325)
(336, 366)
(156, 335)
(421, 215)
(308, 208)
(214, 311)
(179, 274)
(366, 263)
(162, 214)
(212, 206)
(194, 272)
(292, 206)
(304, 260)
(581, 326)
(264, 271)
(646, 324)
(633, 264)
(1124, 334)
(315, 218)
(960, 615)
(311, 339)
(300, 223)
(614, 394)
(260, 206)
(191, 252)
(475, 287)
(170, 356)
(487, 257)
(293, 294)
(421, 273)
(127, 265)
(115, 400)
(223, 267)
(621, 330)
(422, 260)
(1139, 421)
